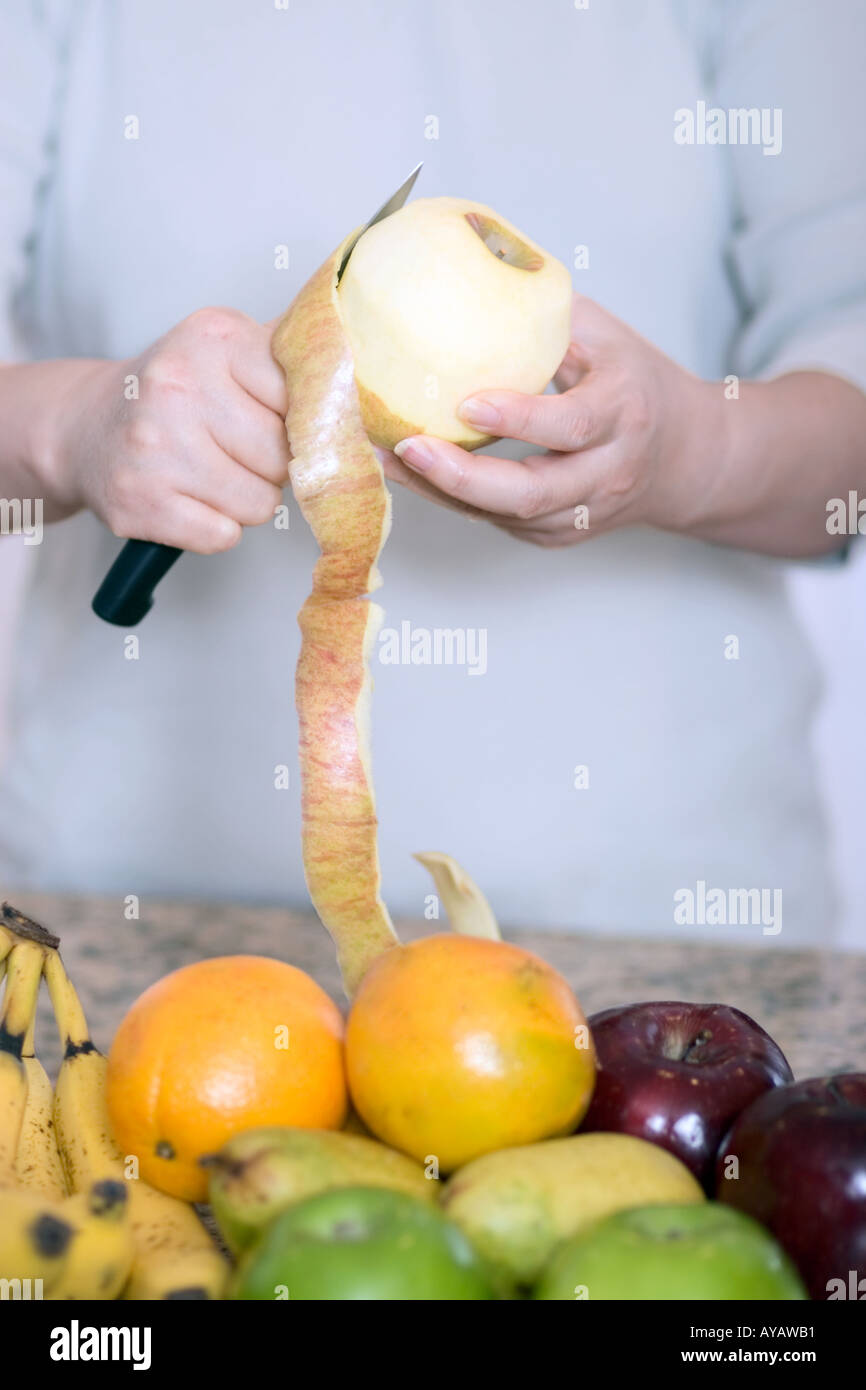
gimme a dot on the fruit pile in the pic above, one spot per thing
(76, 1220)
(466, 1054)
(467, 1134)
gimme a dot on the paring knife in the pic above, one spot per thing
(126, 592)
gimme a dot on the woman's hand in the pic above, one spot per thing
(625, 442)
(185, 444)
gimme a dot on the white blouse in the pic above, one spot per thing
(613, 755)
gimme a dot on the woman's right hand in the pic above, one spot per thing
(185, 444)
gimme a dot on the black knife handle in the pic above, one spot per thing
(126, 592)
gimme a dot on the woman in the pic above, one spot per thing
(641, 726)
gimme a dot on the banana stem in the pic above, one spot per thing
(29, 1045)
(24, 928)
(468, 910)
(70, 1017)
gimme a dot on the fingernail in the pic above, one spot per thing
(480, 412)
(415, 453)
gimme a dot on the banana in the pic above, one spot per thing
(37, 1162)
(23, 971)
(35, 1239)
(80, 1248)
(174, 1257)
(102, 1247)
(77, 1247)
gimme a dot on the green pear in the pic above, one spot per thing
(259, 1173)
(518, 1204)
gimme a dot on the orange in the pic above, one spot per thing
(215, 1048)
(457, 1046)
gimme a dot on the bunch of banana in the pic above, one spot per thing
(174, 1257)
(76, 1247)
(22, 965)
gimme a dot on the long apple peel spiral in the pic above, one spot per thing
(340, 488)
(520, 299)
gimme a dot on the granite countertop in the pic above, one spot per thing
(812, 1002)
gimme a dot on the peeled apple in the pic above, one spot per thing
(442, 299)
(437, 301)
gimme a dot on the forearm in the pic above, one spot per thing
(33, 396)
(773, 459)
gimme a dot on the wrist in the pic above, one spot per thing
(699, 465)
(68, 395)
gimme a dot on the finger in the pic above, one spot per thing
(253, 367)
(575, 420)
(181, 521)
(554, 531)
(593, 328)
(211, 476)
(523, 488)
(575, 367)
(251, 434)
(396, 471)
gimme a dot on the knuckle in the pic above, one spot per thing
(624, 479)
(532, 502)
(166, 373)
(214, 323)
(142, 437)
(460, 484)
(223, 535)
(525, 417)
(266, 505)
(638, 412)
(579, 426)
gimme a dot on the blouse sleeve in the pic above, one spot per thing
(797, 249)
(31, 61)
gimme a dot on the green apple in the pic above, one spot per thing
(672, 1252)
(363, 1244)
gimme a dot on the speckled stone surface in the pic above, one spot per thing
(812, 1002)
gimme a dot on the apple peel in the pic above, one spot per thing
(340, 488)
(335, 473)
(468, 910)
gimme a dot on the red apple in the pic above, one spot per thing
(679, 1075)
(801, 1160)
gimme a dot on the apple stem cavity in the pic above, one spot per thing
(503, 245)
(695, 1050)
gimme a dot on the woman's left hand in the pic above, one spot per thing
(631, 439)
